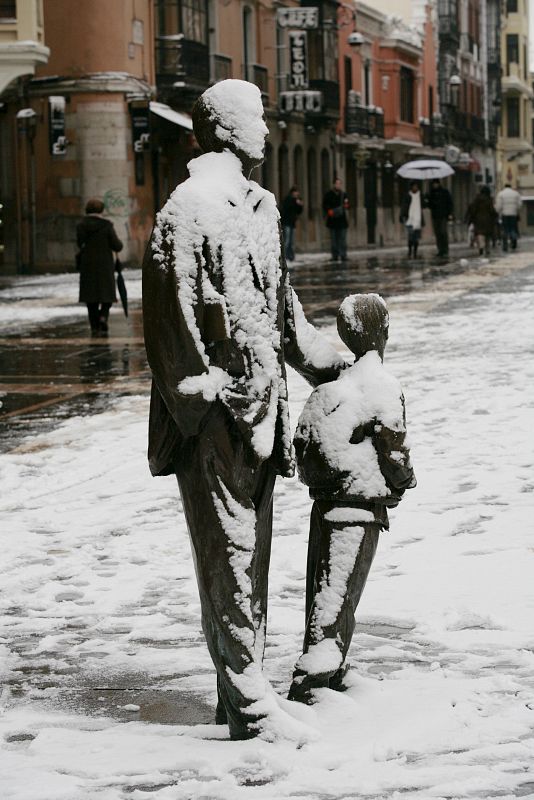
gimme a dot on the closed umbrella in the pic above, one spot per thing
(121, 287)
(425, 169)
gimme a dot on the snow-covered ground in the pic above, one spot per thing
(98, 590)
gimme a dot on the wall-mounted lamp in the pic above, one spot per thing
(355, 39)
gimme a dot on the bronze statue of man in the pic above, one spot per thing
(221, 321)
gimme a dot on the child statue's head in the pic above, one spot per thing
(363, 323)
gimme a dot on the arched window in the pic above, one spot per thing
(283, 172)
(267, 169)
(312, 182)
(326, 178)
(298, 168)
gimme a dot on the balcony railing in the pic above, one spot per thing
(464, 127)
(433, 134)
(330, 92)
(221, 67)
(182, 60)
(448, 25)
(366, 121)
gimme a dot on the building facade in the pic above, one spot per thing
(350, 90)
(388, 88)
(22, 49)
(515, 146)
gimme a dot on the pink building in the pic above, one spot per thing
(389, 105)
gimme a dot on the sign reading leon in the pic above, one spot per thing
(298, 62)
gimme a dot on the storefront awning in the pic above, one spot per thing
(168, 113)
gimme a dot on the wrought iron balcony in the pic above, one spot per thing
(433, 134)
(221, 67)
(448, 26)
(181, 62)
(330, 93)
(366, 121)
(468, 129)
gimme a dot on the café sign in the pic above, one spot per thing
(303, 18)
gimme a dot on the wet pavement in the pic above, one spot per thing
(53, 370)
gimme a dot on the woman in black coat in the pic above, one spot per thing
(97, 241)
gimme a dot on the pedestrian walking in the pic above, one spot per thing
(352, 454)
(291, 209)
(335, 205)
(439, 201)
(483, 216)
(412, 217)
(97, 242)
(508, 204)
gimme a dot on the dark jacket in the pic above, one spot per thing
(186, 312)
(289, 212)
(334, 209)
(481, 213)
(97, 242)
(439, 201)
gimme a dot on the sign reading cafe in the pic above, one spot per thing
(303, 18)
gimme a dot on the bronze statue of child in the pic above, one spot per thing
(352, 454)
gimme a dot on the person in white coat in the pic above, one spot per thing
(508, 204)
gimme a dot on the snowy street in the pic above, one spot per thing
(108, 691)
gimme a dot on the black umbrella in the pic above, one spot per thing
(121, 287)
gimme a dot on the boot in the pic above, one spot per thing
(409, 251)
(301, 689)
(337, 681)
(416, 245)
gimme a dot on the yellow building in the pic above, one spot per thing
(21, 39)
(515, 149)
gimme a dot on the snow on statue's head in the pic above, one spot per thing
(229, 116)
(363, 323)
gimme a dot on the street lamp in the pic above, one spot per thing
(454, 85)
(346, 15)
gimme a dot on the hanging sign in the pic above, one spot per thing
(305, 17)
(140, 127)
(307, 101)
(298, 60)
(56, 125)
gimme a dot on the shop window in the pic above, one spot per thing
(312, 182)
(267, 168)
(298, 168)
(326, 178)
(283, 172)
